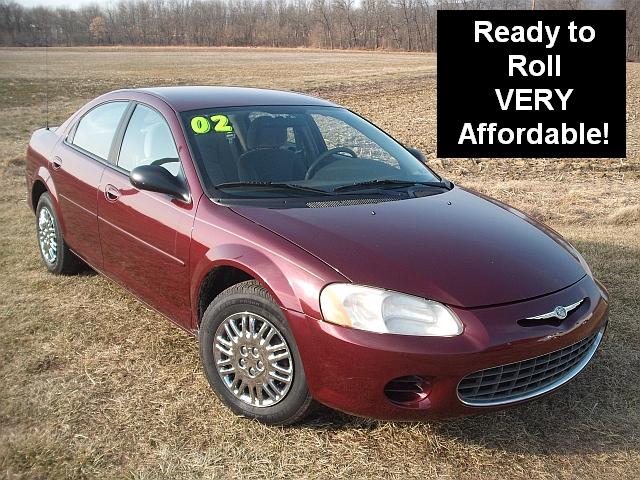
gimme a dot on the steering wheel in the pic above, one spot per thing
(162, 161)
(315, 166)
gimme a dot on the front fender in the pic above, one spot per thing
(292, 276)
(254, 263)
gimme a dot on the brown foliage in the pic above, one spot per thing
(343, 24)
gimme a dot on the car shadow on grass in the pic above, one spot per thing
(597, 412)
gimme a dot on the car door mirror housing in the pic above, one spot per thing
(155, 178)
(417, 153)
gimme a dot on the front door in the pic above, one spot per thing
(145, 236)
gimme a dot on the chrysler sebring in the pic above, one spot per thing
(315, 258)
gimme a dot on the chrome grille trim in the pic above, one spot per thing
(529, 378)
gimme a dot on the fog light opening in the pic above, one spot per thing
(407, 391)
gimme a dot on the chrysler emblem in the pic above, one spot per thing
(560, 312)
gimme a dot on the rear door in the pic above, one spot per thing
(145, 236)
(76, 170)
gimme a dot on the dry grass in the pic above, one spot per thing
(92, 384)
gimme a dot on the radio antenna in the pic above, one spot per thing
(46, 78)
(44, 40)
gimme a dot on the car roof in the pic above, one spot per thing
(196, 97)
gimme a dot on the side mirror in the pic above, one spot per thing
(155, 178)
(417, 153)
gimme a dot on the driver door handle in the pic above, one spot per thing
(111, 193)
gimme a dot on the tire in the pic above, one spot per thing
(54, 252)
(245, 381)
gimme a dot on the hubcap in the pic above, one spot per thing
(47, 235)
(253, 359)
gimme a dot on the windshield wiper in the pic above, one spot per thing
(267, 185)
(389, 182)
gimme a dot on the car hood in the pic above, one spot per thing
(458, 247)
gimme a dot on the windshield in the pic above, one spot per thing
(293, 150)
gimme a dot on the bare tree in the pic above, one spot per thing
(98, 29)
(371, 24)
(633, 27)
(323, 8)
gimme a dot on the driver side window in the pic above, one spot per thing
(148, 141)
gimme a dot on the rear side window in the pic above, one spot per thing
(97, 128)
(148, 141)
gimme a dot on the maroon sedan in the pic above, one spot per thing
(315, 257)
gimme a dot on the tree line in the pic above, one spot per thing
(408, 25)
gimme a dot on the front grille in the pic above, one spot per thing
(349, 202)
(529, 378)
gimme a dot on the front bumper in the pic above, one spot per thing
(348, 369)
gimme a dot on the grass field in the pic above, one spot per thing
(93, 384)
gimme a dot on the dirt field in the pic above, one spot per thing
(93, 384)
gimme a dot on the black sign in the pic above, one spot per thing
(531, 83)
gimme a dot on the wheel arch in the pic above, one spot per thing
(228, 265)
(216, 281)
(43, 183)
(37, 189)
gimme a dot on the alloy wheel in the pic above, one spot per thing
(47, 236)
(253, 359)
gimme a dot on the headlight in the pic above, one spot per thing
(383, 311)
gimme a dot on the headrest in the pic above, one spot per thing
(265, 132)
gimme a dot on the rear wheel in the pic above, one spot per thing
(55, 254)
(250, 357)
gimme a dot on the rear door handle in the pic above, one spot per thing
(56, 163)
(111, 193)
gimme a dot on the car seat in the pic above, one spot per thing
(266, 160)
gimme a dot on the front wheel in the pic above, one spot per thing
(250, 356)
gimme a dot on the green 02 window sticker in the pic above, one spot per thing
(202, 124)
